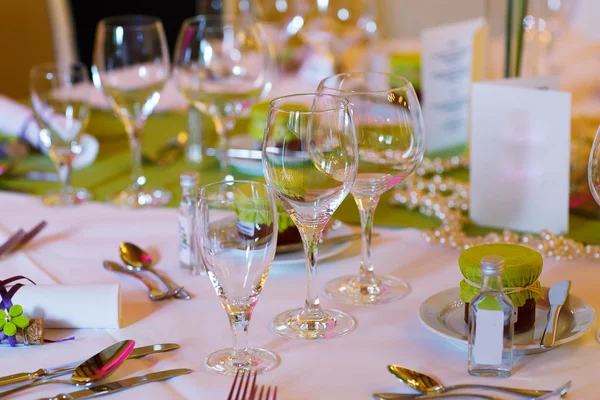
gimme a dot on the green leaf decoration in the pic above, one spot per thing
(15, 310)
(21, 321)
(2, 322)
(10, 329)
(2, 314)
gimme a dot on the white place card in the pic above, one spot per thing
(452, 57)
(520, 155)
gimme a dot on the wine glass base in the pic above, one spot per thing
(288, 324)
(133, 197)
(257, 360)
(72, 196)
(347, 290)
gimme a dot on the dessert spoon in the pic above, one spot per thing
(91, 370)
(139, 260)
(428, 385)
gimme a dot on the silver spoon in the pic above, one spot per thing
(138, 260)
(91, 370)
(154, 293)
(428, 385)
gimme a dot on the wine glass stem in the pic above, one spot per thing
(239, 327)
(311, 235)
(137, 173)
(366, 208)
(224, 126)
(64, 175)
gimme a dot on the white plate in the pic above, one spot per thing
(443, 314)
(339, 229)
(247, 166)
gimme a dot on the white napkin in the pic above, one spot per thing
(72, 306)
(17, 120)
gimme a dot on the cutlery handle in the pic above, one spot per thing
(109, 266)
(17, 378)
(550, 334)
(180, 292)
(520, 392)
(401, 396)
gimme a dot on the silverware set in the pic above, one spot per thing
(138, 263)
(96, 368)
(244, 387)
(430, 388)
(20, 238)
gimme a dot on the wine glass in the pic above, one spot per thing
(335, 26)
(131, 66)
(594, 179)
(61, 119)
(222, 65)
(391, 142)
(236, 230)
(310, 160)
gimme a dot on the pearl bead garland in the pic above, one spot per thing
(448, 200)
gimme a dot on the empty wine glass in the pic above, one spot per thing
(236, 230)
(131, 66)
(221, 65)
(594, 179)
(391, 142)
(335, 26)
(61, 119)
(310, 160)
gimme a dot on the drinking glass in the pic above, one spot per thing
(594, 179)
(131, 66)
(221, 65)
(310, 160)
(391, 142)
(335, 26)
(61, 119)
(236, 227)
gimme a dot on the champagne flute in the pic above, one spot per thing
(131, 66)
(61, 119)
(310, 160)
(335, 26)
(236, 230)
(221, 65)
(391, 143)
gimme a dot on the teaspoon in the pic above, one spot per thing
(91, 370)
(139, 260)
(154, 293)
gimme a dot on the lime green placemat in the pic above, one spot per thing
(110, 173)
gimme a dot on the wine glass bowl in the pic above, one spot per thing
(236, 229)
(391, 143)
(594, 168)
(131, 66)
(310, 160)
(61, 119)
(221, 65)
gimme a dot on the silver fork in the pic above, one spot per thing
(242, 385)
(270, 393)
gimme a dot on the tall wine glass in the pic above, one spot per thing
(61, 119)
(236, 226)
(131, 66)
(310, 160)
(391, 143)
(221, 65)
(335, 26)
(594, 179)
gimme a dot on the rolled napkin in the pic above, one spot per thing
(72, 306)
(17, 120)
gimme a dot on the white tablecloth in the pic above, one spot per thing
(71, 250)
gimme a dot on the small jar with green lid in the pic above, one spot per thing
(522, 269)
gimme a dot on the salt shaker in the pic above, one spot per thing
(189, 182)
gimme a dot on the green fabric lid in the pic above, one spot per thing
(522, 268)
(251, 212)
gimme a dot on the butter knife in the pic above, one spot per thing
(114, 387)
(46, 373)
(557, 295)
(293, 247)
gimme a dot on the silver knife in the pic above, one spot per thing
(292, 247)
(114, 387)
(46, 373)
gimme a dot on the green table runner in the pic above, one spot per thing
(110, 173)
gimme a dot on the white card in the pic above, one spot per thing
(489, 340)
(452, 57)
(520, 155)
